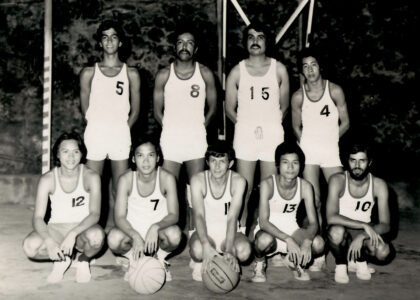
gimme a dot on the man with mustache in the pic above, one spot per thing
(184, 100)
(351, 197)
(319, 120)
(257, 97)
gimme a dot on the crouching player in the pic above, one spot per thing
(216, 201)
(74, 192)
(280, 197)
(146, 210)
(351, 197)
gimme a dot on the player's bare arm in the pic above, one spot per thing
(339, 98)
(232, 85)
(211, 93)
(135, 82)
(283, 80)
(308, 197)
(86, 77)
(238, 189)
(380, 191)
(158, 94)
(120, 213)
(296, 103)
(45, 188)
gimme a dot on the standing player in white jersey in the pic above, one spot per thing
(110, 101)
(319, 119)
(257, 97)
(352, 235)
(75, 194)
(280, 197)
(146, 209)
(182, 92)
(217, 199)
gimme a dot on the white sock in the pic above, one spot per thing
(162, 254)
(59, 268)
(83, 272)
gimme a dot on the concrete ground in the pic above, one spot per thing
(21, 278)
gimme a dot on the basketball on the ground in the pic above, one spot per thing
(219, 277)
(147, 276)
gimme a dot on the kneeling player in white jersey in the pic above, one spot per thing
(216, 200)
(280, 197)
(75, 194)
(351, 197)
(146, 208)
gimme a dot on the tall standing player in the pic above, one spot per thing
(146, 209)
(217, 199)
(352, 234)
(281, 196)
(257, 97)
(182, 92)
(110, 101)
(319, 119)
(75, 194)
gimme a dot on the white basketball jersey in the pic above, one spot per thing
(109, 99)
(143, 211)
(319, 119)
(359, 209)
(216, 209)
(184, 102)
(258, 97)
(283, 211)
(70, 207)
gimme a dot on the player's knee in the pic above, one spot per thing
(95, 237)
(243, 251)
(30, 246)
(173, 236)
(336, 234)
(318, 245)
(382, 252)
(114, 239)
(263, 241)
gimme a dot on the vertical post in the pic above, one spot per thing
(309, 27)
(221, 20)
(46, 110)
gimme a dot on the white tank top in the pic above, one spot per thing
(109, 99)
(359, 209)
(184, 102)
(283, 211)
(216, 209)
(70, 207)
(319, 119)
(149, 209)
(258, 97)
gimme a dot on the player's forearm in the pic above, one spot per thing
(158, 116)
(382, 228)
(201, 228)
(343, 128)
(231, 114)
(89, 221)
(41, 228)
(344, 221)
(273, 230)
(230, 235)
(297, 130)
(134, 115)
(126, 227)
(169, 220)
(209, 116)
(311, 231)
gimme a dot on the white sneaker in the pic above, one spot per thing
(278, 261)
(83, 274)
(259, 271)
(362, 270)
(59, 268)
(341, 275)
(196, 274)
(318, 265)
(351, 267)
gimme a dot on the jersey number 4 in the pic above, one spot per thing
(325, 111)
(120, 88)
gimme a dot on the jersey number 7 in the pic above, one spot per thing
(156, 201)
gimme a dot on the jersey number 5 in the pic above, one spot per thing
(120, 87)
(325, 111)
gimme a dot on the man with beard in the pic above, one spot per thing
(351, 197)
